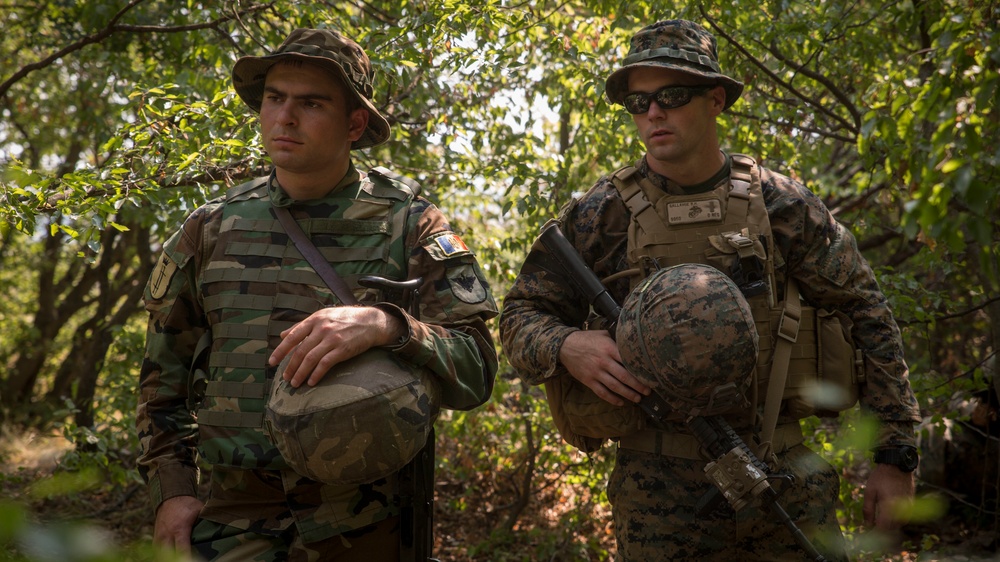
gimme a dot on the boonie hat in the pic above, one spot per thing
(678, 45)
(331, 50)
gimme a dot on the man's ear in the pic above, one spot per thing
(357, 123)
(718, 96)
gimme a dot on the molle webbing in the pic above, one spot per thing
(219, 418)
(280, 251)
(260, 302)
(653, 238)
(327, 226)
(256, 284)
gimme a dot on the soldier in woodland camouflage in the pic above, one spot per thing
(235, 309)
(688, 201)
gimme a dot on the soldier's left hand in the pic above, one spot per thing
(332, 335)
(886, 493)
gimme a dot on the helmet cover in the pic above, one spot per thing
(688, 332)
(367, 418)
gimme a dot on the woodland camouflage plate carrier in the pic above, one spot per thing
(728, 229)
(251, 295)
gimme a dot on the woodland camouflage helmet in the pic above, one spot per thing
(365, 420)
(687, 332)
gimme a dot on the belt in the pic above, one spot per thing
(687, 446)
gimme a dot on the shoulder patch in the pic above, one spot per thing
(164, 272)
(466, 285)
(445, 245)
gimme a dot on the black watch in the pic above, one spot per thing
(903, 457)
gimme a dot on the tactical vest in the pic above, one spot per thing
(727, 228)
(256, 284)
(807, 363)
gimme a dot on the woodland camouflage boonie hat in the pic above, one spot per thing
(678, 45)
(338, 54)
(367, 418)
(687, 332)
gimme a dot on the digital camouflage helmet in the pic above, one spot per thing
(365, 420)
(688, 332)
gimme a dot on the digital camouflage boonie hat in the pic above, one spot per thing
(687, 332)
(365, 420)
(329, 49)
(678, 45)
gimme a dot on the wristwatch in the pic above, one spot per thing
(903, 457)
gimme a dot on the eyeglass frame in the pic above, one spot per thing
(650, 97)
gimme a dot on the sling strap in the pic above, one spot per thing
(788, 333)
(314, 257)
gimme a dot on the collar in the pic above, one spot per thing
(673, 188)
(280, 198)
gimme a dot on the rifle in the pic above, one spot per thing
(737, 474)
(416, 479)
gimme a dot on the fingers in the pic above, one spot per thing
(592, 358)
(173, 522)
(329, 336)
(868, 509)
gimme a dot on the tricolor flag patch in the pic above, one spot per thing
(451, 244)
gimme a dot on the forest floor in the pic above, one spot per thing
(122, 516)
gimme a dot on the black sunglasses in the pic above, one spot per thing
(667, 97)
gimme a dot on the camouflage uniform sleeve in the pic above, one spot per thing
(823, 256)
(165, 424)
(543, 307)
(451, 337)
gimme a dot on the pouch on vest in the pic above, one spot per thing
(584, 419)
(839, 371)
(823, 370)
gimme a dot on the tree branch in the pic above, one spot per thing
(774, 77)
(112, 28)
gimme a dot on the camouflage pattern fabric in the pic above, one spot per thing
(687, 332)
(654, 499)
(679, 45)
(389, 405)
(224, 543)
(541, 310)
(258, 284)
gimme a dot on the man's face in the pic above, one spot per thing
(304, 121)
(681, 136)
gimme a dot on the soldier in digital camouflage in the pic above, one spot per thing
(238, 315)
(687, 201)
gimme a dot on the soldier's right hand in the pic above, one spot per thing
(174, 520)
(591, 357)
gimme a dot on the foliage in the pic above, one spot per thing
(118, 119)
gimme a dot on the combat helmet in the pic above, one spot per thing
(365, 420)
(688, 332)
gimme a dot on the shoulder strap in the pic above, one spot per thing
(244, 188)
(315, 259)
(406, 182)
(788, 333)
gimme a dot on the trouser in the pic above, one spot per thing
(654, 498)
(222, 543)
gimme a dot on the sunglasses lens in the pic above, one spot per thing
(670, 98)
(636, 103)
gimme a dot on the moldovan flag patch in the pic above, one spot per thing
(451, 244)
